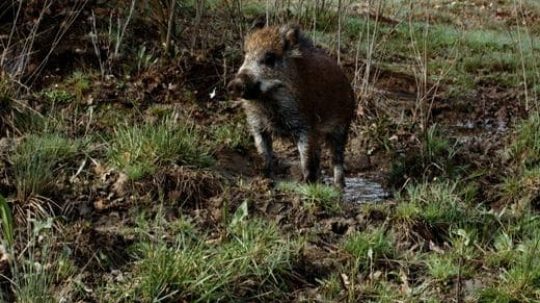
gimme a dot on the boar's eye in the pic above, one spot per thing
(269, 59)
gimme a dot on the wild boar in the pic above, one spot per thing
(291, 88)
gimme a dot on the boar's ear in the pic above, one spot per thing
(258, 24)
(291, 36)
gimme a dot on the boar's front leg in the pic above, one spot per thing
(310, 156)
(337, 142)
(263, 142)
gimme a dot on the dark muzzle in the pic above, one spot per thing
(243, 86)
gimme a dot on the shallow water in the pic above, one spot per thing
(362, 190)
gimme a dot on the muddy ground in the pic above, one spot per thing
(95, 208)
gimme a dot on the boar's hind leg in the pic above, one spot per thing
(310, 157)
(337, 142)
(263, 142)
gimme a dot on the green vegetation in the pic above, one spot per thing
(39, 268)
(126, 174)
(37, 160)
(369, 246)
(315, 196)
(234, 136)
(55, 96)
(80, 84)
(141, 150)
(184, 264)
(525, 148)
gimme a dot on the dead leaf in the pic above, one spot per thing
(119, 187)
(100, 205)
(345, 280)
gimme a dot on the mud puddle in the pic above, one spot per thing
(360, 189)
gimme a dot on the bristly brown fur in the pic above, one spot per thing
(267, 38)
(292, 88)
(273, 39)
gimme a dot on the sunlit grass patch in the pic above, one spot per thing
(139, 150)
(502, 253)
(510, 189)
(407, 214)
(36, 270)
(253, 261)
(369, 246)
(522, 153)
(519, 279)
(440, 203)
(384, 292)
(327, 198)
(525, 146)
(58, 96)
(331, 288)
(37, 160)
(442, 208)
(442, 267)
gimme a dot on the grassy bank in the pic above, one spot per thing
(126, 174)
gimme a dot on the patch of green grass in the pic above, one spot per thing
(436, 144)
(325, 197)
(37, 160)
(58, 96)
(252, 262)
(442, 267)
(330, 288)
(494, 56)
(139, 150)
(510, 189)
(526, 224)
(494, 294)
(234, 136)
(513, 257)
(525, 146)
(407, 213)
(145, 59)
(520, 280)
(446, 206)
(492, 62)
(369, 246)
(80, 84)
(522, 185)
(488, 40)
(503, 251)
(7, 227)
(440, 203)
(37, 270)
(380, 292)
(253, 9)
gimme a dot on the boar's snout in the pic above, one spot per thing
(236, 88)
(244, 86)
